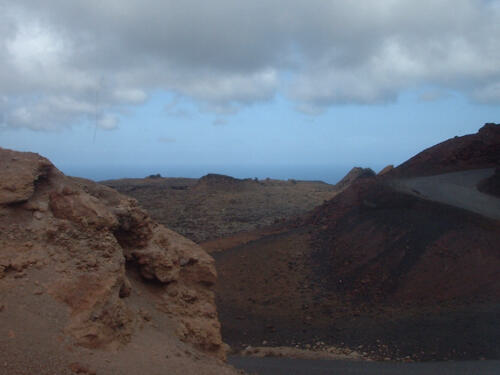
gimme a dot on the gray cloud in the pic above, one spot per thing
(63, 62)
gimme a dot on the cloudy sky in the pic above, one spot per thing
(164, 84)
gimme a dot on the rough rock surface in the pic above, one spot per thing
(90, 284)
(386, 169)
(354, 175)
(19, 179)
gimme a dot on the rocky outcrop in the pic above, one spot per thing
(354, 175)
(19, 179)
(471, 151)
(92, 256)
(385, 170)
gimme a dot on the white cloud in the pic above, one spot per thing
(58, 58)
(107, 122)
(34, 48)
(130, 96)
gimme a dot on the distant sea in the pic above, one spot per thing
(328, 174)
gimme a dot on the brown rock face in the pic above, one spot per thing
(89, 270)
(354, 175)
(385, 170)
(19, 179)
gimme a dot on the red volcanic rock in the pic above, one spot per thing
(386, 245)
(19, 179)
(82, 267)
(354, 175)
(377, 267)
(385, 170)
(480, 150)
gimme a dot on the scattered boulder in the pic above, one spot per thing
(154, 176)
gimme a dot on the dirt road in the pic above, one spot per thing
(278, 366)
(457, 189)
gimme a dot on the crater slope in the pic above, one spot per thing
(391, 272)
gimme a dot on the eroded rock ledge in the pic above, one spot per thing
(88, 246)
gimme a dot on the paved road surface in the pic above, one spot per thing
(455, 189)
(287, 366)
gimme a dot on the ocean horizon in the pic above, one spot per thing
(326, 173)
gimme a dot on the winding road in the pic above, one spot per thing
(458, 189)
(287, 366)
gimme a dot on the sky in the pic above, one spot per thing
(274, 88)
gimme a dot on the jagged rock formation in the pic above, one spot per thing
(89, 283)
(354, 175)
(386, 169)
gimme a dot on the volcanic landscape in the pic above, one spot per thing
(403, 265)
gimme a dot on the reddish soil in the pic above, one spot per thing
(479, 150)
(382, 271)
